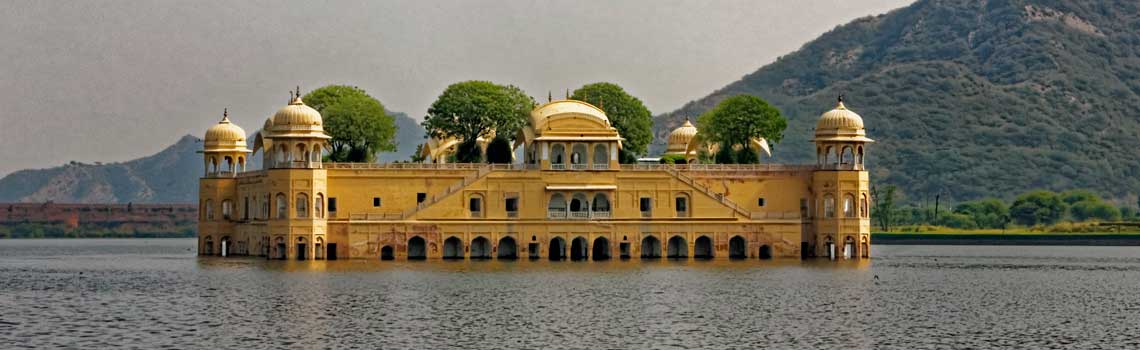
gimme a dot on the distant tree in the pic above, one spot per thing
(499, 151)
(473, 109)
(986, 213)
(418, 156)
(1094, 210)
(884, 206)
(626, 113)
(1127, 213)
(739, 119)
(1073, 196)
(1037, 207)
(956, 220)
(357, 122)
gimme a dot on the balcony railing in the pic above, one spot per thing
(601, 214)
(556, 214)
(476, 214)
(578, 166)
(601, 167)
(512, 214)
(558, 167)
(577, 215)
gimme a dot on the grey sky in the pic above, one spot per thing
(115, 80)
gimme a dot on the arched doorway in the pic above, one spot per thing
(678, 248)
(650, 248)
(849, 248)
(765, 252)
(302, 249)
(280, 244)
(224, 246)
(387, 253)
(507, 248)
(865, 252)
(601, 249)
(737, 248)
(829, 247)
(557, 248)
(579, 248)
(480, 248)
(452, 248)
(417, 248)
(703, 248)
(208, 246)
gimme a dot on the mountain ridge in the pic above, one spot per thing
(969, 99)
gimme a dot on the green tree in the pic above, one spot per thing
(673, 159)
(499, 151)
(418, 156)
(473, 109)
(1037, 207)
(739, 119)
(986, 213)
(626, 113)
(1094, 210)
(746, 155)
(883, 208)
(357, 122)
(724, 155)
(1073, 196)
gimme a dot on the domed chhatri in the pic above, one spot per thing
(297, 120)
(680, 137)
(840, 124)
(225, 136)
(547, 112)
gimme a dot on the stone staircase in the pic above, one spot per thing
(707, 191)
(480, 173)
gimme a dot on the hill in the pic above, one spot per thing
(969, 98)
(169, 176)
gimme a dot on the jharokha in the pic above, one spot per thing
(569, 198)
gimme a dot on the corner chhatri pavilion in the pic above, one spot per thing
(568, 198)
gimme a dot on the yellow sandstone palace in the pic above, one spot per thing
(568, 198)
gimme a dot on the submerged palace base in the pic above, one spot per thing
(569, 198)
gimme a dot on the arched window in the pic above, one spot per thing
(302, 153)
(213, 164)
(282, 154)
(229, 164)
(245, 209)
(859, 156)
(578, 154)
(227, 209)
(601, 156)
(241, 163)
(316, 154)
(302, 205)
(848, 205)
(681, 205)
(319, 206)
(847, 156)
(265, 207)
(601, 203)
(829, 155)
(282, 206)
(828, 206)
(209, 208)
(579, 206)
(557, 206)
(558, 156)
(863, 207)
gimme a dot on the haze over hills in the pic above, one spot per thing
(968, 98)
(169, 176)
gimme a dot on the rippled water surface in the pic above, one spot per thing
(158, 294)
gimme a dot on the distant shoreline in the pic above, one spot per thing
(1042, 239)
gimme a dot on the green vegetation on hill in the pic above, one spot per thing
(970, 99)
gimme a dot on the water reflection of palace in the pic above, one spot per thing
(567, 198)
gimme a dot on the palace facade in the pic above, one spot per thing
(568, 197)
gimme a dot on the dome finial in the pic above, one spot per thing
(549, 96)
(567, 94)
(225, 115)
(840, 104)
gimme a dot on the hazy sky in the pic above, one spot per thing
(115, 80)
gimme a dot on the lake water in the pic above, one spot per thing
(158, 294)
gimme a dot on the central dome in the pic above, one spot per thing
(566, 109)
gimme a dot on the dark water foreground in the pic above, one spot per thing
(157, 294)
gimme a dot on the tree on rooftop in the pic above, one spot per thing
(473, 109)
(739, 119)
(626, 113)
(357, 122)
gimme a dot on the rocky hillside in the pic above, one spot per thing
(971, 98)
(169, 176)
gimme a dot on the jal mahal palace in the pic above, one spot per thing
(568, 198)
